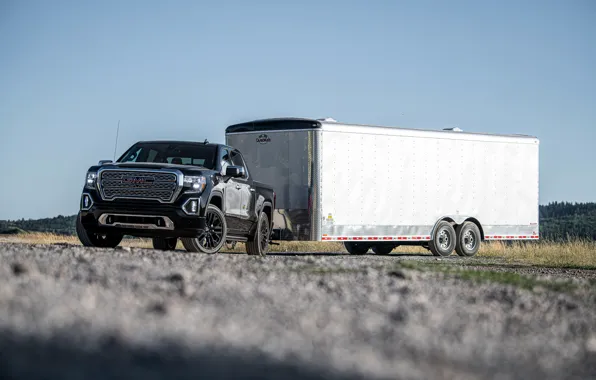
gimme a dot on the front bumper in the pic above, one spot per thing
(142, 218)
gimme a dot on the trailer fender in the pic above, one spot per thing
(456, 220)
(453, 219)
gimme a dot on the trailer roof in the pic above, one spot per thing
(274, 124)
(290, 123)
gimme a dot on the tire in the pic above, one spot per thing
(355, 248)
(444, 239)
(165, 244)
(213, 237)
(89, 239)
(383, 249)
(468, 239)
(258, 244)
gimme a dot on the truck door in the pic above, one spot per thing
(232, 195)
(246, 190)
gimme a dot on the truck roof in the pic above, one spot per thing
(290, 123)
(207, 143)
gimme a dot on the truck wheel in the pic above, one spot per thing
(165, 244)
(444, 240)
(89, 239)
(213, 237)
(383, 249)
(259, 243)
(468, 239)
(355, 248)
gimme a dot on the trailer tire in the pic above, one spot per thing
(443, 240)
(216, 218)
(355, 248)
(165, 244)
(468, 239)
(383, 249)
(258, 244)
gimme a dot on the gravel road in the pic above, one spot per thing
(69, 312)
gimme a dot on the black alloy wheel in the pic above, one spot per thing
(213, 237)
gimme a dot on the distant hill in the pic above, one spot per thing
(558, 221)
(61, 225)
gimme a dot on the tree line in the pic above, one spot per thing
(559, 221)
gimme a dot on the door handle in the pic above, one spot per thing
(238, 187)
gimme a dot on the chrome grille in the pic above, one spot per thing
(117, 184)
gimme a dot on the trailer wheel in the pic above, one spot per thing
(468, 239)
(383, 249)
(355, 248)
(213, 237)
(165, 244)
(444, 239)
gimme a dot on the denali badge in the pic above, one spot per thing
(263, 139)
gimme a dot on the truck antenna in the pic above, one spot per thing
(116, 144)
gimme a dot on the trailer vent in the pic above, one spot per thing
(455, 129)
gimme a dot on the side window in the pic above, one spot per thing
(224, 160)
(238, 161)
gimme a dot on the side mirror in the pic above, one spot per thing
(103, 162)
(235, 171)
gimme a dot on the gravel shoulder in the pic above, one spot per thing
(73, 312)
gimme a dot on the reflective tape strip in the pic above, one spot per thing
(510, 237)
(375, 238)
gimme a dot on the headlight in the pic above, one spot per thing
(196, 183)
(91, 179)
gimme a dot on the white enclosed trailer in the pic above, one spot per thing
(380, 187)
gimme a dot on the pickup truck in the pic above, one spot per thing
(199, 192)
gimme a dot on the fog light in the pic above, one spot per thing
(191, 206)
(87, 202)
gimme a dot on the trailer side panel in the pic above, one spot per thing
(382, 184)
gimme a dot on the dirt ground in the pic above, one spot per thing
(71, 312)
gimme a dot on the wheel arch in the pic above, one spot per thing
(216, 199)
(478, 224)
(456, 220)
(442, 219)
(267, 208)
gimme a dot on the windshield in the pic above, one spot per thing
(172, 153)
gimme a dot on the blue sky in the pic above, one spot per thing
(69, 70)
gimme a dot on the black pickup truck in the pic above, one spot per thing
(198, 192)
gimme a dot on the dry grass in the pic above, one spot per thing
(573, 254)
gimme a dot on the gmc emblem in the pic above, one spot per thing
(138, 180)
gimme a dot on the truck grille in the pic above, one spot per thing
(149, 185)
